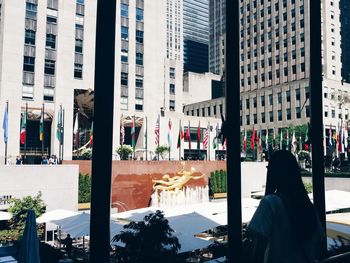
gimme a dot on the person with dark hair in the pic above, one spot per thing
(285, 225)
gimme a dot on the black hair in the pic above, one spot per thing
(284, 179)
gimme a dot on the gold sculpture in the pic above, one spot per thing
(177, 182)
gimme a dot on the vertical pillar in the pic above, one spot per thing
(103, 132)
(234, 209)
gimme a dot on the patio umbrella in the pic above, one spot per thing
(29, 251)
(55, 215)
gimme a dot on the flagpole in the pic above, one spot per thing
(133, 139)
(60, 135)
(7, 112)
(146, 138)
(62, 139)
(208, 157)
(25, 138)
(42, 141)
(189, 138)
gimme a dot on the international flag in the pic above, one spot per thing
(215, 139)
(188, 136)
(339, 140)
(307, 138)
(181, 136)
(330, 136)
(169, 133)
(156, 132)
(267, 139)
(259, 140)
(5, 124)
(199, 136)
(245, 141)
(122, 133)
(206, 138)
(281, 139)
(300, 141)
(274, 138)
(59, 126)
(287, 142)
(346, 135)
(41, 129)
(294, 143)
(23, 128)
(252, 141)
(91, 134)
(133, 132)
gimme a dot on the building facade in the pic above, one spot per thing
(196, 35)
(345, 39)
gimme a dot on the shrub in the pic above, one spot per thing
(218, 181)
(124, 151)
(84, 188)
(162, 149)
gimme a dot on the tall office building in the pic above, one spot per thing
(217, 24)
(47, 55)
(196, 35)
(274, 61)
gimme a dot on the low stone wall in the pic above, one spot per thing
(333, 183)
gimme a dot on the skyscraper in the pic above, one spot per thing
(345, 38)
(196, 35)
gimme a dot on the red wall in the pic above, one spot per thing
(132, 180)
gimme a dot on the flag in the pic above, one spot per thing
(156, 132)
(330, 136)
(188, 136)
(300, 141)
(259, 140)
(133, 132)
(41, 130)
(224, 145)
(59, 126)
(252, 141)
(307, 138)
(76, 131)
(267, 139)
(287, 138)
(245, 141)
(199, 136)
(122, 134)
(145, 133)
(339, 140)
(274, 138)
(23, 128)
(206, 138)
(5, 124)
(91, 133)
(181, 136)
(346, 135)
(324, 141)
(169, 133)
(281, 140)
(214, 143)
(294, 143)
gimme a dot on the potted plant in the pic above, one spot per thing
(87, 153)
(162, 150)
(124, 151)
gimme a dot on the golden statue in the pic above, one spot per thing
(177, 182)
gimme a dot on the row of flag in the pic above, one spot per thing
(181, 135)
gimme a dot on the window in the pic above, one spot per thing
(124, 32)
(279, 115)
(263, 117)
(124, 57)
(30, 37)
(270, 99)
(247, 103)
(51, 41)
(139, 59)
(51, 20)
(78, 71)
(288, 95)
(139, 14)
(171, 73)
(49, 94)
(124, 79)
(31, 10)
(307, 111)
(172, 88)
(196, 111)
(254, 102)
(124, 10)
(28, 64)
(289, 116)
(255, 117)
(279, 96)
(139, 82)
(81, 2)
(271, 116)
(326, 111)
(139, 104)
(302, 67)
(203, 113)
(221, 108)
(139, 36)
(78, 45)
(297, 94)
(49, 67)
(298, 112)
(124, 103)
(247, 120)
(307, 92)
(209, 111)
(214, 110)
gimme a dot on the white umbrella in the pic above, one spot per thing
(189, 242)
(56, 214)
(79, 225)
(5, 216)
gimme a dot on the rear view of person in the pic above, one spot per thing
(285, 226)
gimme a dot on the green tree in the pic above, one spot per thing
(149, 240)
(84, 195)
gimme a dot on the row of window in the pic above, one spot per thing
(200, 112)
(125, 57)
(124, 12)
(125, 34)
(79, 42)
(124, 80)
(124, 104)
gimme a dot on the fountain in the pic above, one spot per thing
(171, 191)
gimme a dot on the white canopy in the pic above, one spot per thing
(55, 215)
(335, 200)
(189, 242)
(5, 216)
(79, 225)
